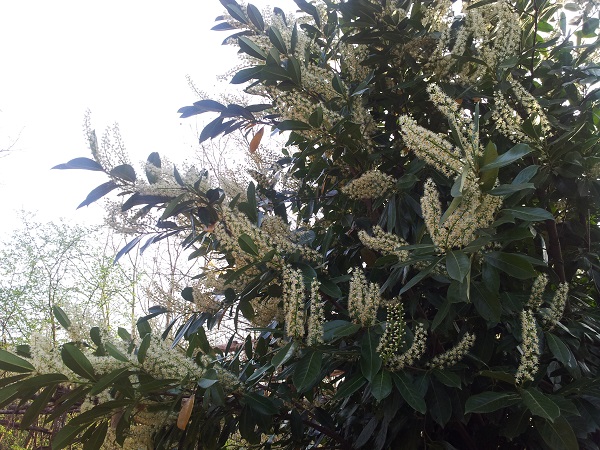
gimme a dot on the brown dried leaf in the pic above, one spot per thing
(255, 142)
(185, 412)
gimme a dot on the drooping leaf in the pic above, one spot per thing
(98, 192)
(255, 142)
(80, 163)
(185, 412)
(36, 407)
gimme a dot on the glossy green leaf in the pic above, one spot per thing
(335, 329)
(255, 17)
(512, 155)
(75, 360)
(276, 39)
(307, 371)
(36, 407)
(559, 435)
(14, 363)
(107, 380)
(540, 404)
(260, 403)
(458, 265)
(488, 402)
(529, 214)
(513, 264)
(409, 393)
(560, 350)
(284, 354)
(247, 244)
(370, 361)
(349, 386)
(66, 436)
(249, 47)
(95, 440)
(381, 386)
(293, 125)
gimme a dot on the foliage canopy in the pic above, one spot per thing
(420, 263)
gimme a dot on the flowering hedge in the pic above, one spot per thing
(420, 266)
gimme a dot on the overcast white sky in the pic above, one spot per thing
(124, 60)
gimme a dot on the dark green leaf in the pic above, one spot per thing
(513, 264)
(560, 350)
(247, 244)
(37, 406)
(75, 360)
(381, 386)
(540, 404)
(338, 328)
(487, 402)
(124, 172)
(488, 178)
(559, 435)
(409, 393)
(98, 193)
(458, 265)
(307, 371)
(349, 386)
(293, 125)
(448, 378)
(95, 439)
(370, 361)
(80, 163)
(512, 155)
(284, 354)
(61, 316)
(276, 39)
(14, 363)
(66, 435)
(260, 403)
(107, 380)
(249, 47)
(255, 17)
(529, 214)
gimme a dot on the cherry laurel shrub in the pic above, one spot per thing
(419, 264)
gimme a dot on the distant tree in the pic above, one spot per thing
(421, 262)
(48, 265)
